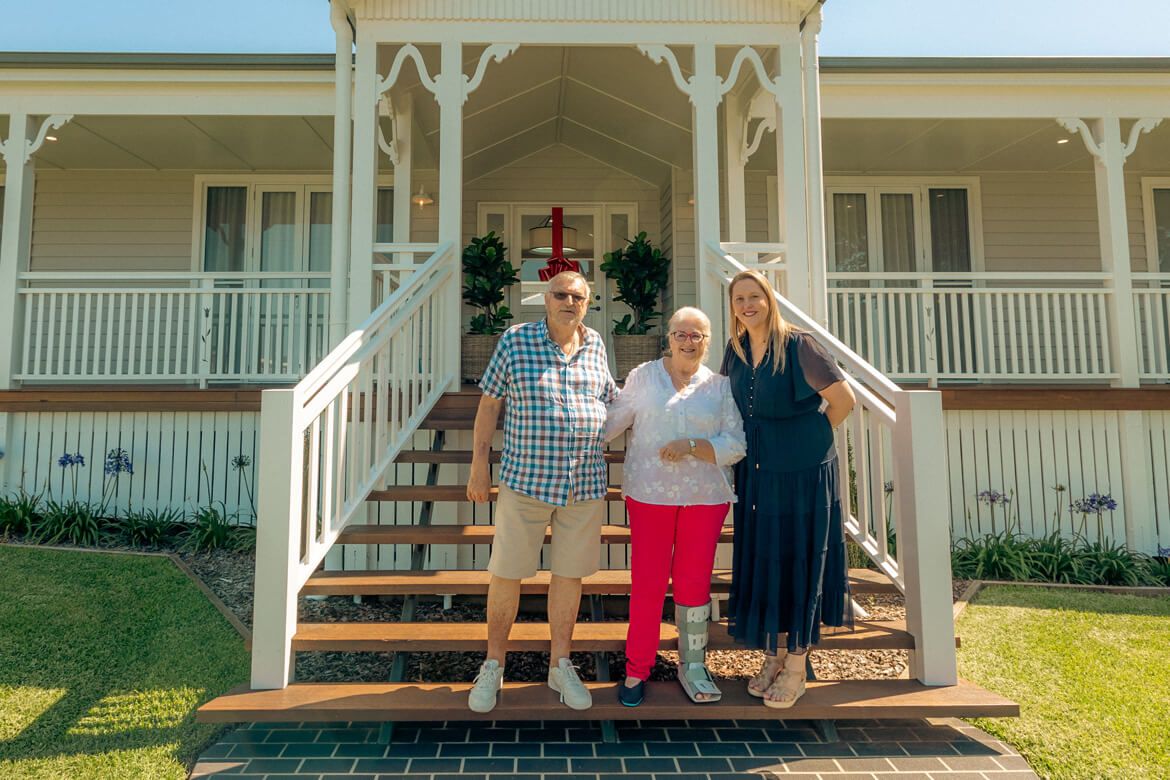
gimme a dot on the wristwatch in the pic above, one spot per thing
(691, 442)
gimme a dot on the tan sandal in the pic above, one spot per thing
(789, 685)
(763, 679)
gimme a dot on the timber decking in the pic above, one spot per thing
(464, 456)
(475, 582)
(536, 701)
(448, 493)
(587, 637)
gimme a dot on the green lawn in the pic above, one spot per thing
(1091, 672)
(103, 660)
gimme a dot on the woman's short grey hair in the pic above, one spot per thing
(693, 313)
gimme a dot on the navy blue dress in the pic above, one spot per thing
(789, 573)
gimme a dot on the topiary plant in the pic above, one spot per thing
(641, 273)
(486, 275)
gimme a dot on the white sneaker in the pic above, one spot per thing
(485, 693)
(563, 679)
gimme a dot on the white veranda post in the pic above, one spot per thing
(452, 91)
(815, 197)
(1105, 142)
(364, 180)
(791, 181)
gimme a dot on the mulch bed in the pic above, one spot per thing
(229, 575)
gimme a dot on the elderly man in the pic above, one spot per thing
(554, 376)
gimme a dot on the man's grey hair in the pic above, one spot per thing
(571, 275)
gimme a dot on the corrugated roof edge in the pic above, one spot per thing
(995, 64)
(829, 64)
(123, 60)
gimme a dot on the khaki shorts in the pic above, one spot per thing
(521, 522)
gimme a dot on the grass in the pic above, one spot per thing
(103, 660)
(1091, 672)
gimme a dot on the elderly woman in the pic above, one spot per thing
(788, 572)
(686, 431)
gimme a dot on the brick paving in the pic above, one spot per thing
(646, 750)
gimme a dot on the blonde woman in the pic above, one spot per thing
(686, 432)
(789, 573)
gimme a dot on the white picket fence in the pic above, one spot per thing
(330, 439)
(891, 435)
(175, 327)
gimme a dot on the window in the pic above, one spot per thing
(1156, 203)
(277, 227)
(893, 227)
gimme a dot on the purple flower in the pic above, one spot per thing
(888, 488)
(241, 462)
(1163, 552)
(118, 462)
(993, 498)
(1094, 504)
(66, 460)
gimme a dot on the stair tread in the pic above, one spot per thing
(587, 637)
(461, 534)
(535, 701)
(472, 582)
(448, 493)
(464, 456)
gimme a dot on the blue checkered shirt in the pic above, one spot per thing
(555, 413)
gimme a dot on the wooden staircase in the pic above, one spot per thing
(396, 700)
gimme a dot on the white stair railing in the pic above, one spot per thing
(326, 443)
(893, 486)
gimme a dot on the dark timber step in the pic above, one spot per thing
(587, 637)
(475, 582)
(447, 493)
(461, 534)
(536, 701)
(464, 456)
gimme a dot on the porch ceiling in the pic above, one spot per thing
(925, 146)
(609, 103)
(192, 143)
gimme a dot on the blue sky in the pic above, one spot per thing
(852, 27)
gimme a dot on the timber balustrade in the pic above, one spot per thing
(327, 443)
(893, 483)
(198, 327)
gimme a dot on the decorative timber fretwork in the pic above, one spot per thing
(14, 156)
(1095, 145)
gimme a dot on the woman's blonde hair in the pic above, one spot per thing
(779, 329)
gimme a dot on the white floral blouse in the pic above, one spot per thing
(704, 409)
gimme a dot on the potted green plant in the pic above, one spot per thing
(640, 272)
(487, 274)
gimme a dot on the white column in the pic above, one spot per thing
(924, 537)
(451, 95)
(1109, 167)
(817, 266)
(278, 543)
(792, 188)
(705, 126)
(16, 240)
(342, 150)
(365, 182)
(733, 135)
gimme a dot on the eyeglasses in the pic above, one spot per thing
(564, 296)
(683, 337)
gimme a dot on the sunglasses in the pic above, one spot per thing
(683, 337)
(564, 296)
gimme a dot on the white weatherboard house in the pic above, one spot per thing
(204, 257)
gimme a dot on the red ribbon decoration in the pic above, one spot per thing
(558, 263)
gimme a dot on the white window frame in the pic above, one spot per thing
(306, 183)
(873, 186)
(1149, 218)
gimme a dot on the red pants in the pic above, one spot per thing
(674, 544)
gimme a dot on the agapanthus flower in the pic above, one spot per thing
(1094, 504)
(67, 460)
(118, 462)
(993, 497)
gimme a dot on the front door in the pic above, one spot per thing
(599, 229)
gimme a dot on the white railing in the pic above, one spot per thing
(394, 263)
(986, 326)
(893, 486)
(767, 258)
(1151, 302)
(328, 441)
(179, 327)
